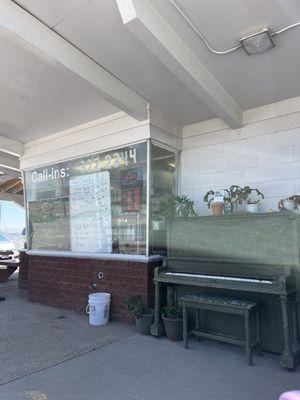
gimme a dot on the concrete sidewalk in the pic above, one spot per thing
(44, 357)
(34, 336)
(145, 368)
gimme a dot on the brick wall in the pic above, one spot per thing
(65, 282)
(23, 271)
(264, 153)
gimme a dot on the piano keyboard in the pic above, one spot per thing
(221, 278)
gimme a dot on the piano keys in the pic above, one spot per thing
(219, 278)
(258, 255)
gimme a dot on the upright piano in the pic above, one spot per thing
(249, 255)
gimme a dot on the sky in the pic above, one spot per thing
(12, 216)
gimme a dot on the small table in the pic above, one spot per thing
(225, 305)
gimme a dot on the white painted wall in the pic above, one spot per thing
(100, 135)
(265, 153)
(107, 133)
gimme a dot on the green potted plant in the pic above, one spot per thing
(233, 198)
(253, 203)
(172, 319)
(143, 316)
(217, 207)
(179, 206)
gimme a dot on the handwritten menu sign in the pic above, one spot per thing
(90, 213)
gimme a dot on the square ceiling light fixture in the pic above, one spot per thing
(257, 42)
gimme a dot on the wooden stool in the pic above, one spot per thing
(225, 305)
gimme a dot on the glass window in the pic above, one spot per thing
(91, 204)
(163, 180)
(3, 238)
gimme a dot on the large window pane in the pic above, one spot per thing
(91, 204)
(162, 188)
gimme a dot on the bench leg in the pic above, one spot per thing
(185, 327)
(198, 322)
(248, 340)
(258, 333)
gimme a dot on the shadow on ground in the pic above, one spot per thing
(57, 354)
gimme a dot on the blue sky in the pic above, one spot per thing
(12, 216)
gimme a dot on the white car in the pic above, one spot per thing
(6, 246)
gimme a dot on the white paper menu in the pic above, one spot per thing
(90, 213)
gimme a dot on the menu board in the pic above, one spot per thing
(49, 224)
(90, 213)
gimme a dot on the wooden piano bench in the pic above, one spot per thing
(229, 305)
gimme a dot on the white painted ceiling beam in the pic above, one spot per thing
(150, 27)
(11, 146)
(34, 36)
(9, 164)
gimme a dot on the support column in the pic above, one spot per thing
(157, 328)
(286, 359)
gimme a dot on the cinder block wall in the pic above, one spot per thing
(265, 154)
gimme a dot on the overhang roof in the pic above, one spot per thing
(38, 98)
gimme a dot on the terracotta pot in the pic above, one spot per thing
(217, 208)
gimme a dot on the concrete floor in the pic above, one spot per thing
(44, 357)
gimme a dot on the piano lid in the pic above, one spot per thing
(269, 239)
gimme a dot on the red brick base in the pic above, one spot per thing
(23, 271)
(66, 282)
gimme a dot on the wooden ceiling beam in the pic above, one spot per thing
(10, 184)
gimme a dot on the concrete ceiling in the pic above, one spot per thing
(37, 98)
(251, 80)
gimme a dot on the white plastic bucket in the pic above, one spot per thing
(98, 308)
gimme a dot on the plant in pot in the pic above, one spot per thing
(143, 316)
(289, 203)
(233, 198)
(173, 324)
(217, 207)
(253, 203)
(179, 206)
